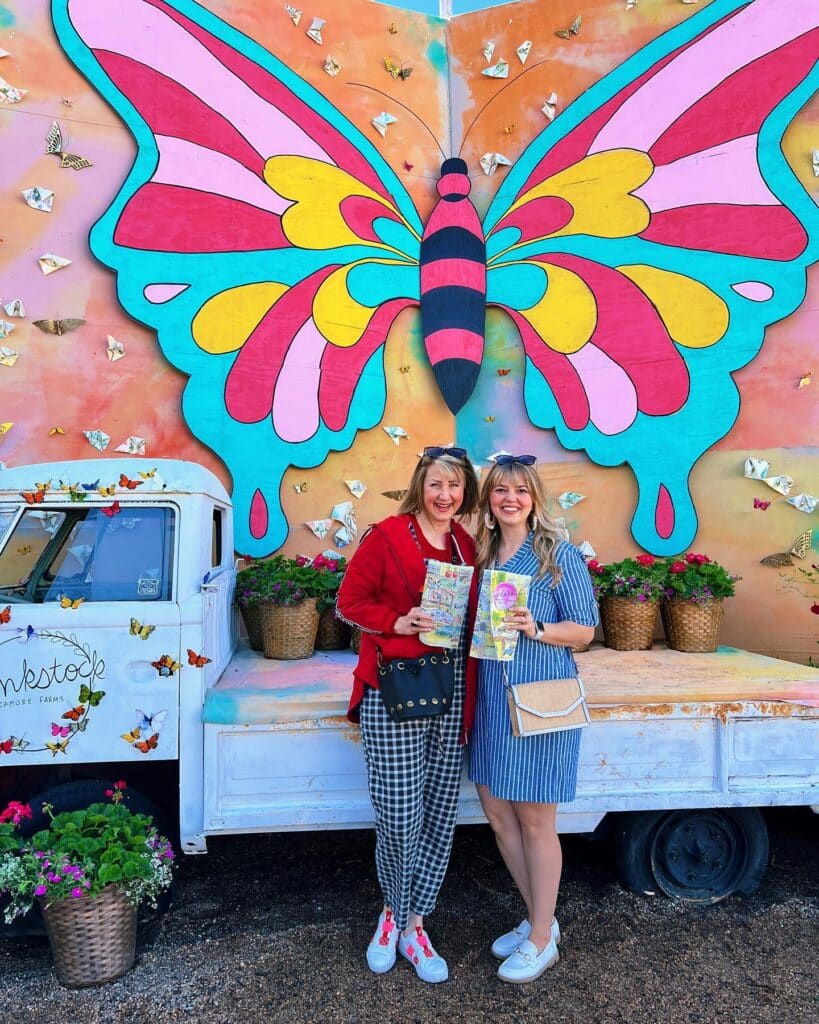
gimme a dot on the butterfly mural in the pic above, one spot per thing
(641, 244)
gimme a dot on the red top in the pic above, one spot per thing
(385, 578)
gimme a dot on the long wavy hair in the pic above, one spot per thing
(547, 534)
(451, 468)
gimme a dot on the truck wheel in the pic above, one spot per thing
(704, 856)
(633, 836)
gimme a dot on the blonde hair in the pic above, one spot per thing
(547, 534)
(451, 468)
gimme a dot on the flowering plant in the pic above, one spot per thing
(639, 578)
(697, 578)
(288, 581)
(80, 853)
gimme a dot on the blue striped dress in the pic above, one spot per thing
(532, 769)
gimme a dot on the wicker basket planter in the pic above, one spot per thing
(252, 616)
(692, 627)
(333, 634)
(628, 624)
(289, 631)
(93, 939)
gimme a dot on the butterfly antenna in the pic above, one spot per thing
(412, 113)
(484, 107)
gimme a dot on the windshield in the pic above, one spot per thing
(89, 554)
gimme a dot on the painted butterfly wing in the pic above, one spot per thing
(777, 561)
(645, 240)
(803, 543)
(311, 253)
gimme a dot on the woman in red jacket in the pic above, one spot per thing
(414, 767)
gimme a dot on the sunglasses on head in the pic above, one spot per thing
(511, 460)
(435, 451)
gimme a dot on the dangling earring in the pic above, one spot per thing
(531, 522)
(489, 520)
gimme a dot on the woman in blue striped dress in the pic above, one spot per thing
(521, 780)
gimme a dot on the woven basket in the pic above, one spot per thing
(628, 624)
(333, 634)
(692, 627)
(253, 623)
(92, 938)
(355, 643)
(289, 631)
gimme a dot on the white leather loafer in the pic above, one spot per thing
(429, 965)
(507, 944)
(526, 964)
(381, 950)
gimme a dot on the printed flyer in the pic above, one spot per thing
(500, 593)
(445, 598)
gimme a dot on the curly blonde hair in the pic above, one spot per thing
(547, 534)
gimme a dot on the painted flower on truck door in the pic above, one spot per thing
(641, 244)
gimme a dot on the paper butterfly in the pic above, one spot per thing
(800, 547)
(58, 327)
(70, 602)
(641, 245)
(146, 724)
(33, 497)
(61, 747)
(166, 666)
(60, 730)
(140, 630)
(146, 746)
(55, 146)
(5, 614)
(91, 697)
(128, 484)
(111, 510)
(74, 713)
(198, 660)
(759, 503)
(108, 491)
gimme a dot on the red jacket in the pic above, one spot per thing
(384, 579)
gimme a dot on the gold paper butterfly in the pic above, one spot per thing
(109, 491)
(300, 488)
(54, 147)
(58, 327)
(57, 748)
(133, 736)
(404, 369)
(572, 30)
(68, 602)
(141, 630)
(25, 549)
(395, 495)
(800, 547)
(55, 430)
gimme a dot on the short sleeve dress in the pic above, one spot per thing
(532, 769)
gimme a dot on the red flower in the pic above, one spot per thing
(594, 566)
(697, 559)
(646, 560)
(109, 793)
(677, 567)
(122, 784)
(815, 608)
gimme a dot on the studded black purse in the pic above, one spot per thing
(417, 687)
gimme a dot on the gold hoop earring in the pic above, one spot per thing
(489, 520)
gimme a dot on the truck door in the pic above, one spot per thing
(89, 634)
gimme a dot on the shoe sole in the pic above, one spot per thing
(426, 981)
(381, 970)
(497, 956)
(532, 977)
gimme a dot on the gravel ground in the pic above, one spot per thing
(274, 927)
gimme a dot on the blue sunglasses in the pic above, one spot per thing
(511, 460)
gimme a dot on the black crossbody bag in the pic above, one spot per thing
(422, 687)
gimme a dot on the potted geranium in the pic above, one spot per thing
(694, 588)
(89, 871)
(628, 592)
(289, 617)
(332, 634)
(249, 592)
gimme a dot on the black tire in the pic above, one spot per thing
(704, 856)
(632, 836)
(73, 796)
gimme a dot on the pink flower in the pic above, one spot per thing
(40, 890)
(677, 567)
(109, 792)
(121, 784)
(76, 892)
(646, 560)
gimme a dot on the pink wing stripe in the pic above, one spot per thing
(630, 331)
(741, 103)
(442, 344)
(143, 32)
(539, 218)
(167, 218)
(725, 174)
(297, 418)
(359, 213)
(751, 33)
(612, 398)
(341, 368)
(557, 371)
(184, 163)
(767, 232)
(341, 151)
(252, 380)
(168, 109)
(163, 292)
(440, 273)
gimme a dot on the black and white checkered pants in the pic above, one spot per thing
(415, 778)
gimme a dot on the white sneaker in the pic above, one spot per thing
(381, 950)
(507, 944)
(429, 966)
(526, 964)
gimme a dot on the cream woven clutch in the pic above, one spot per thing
(548, 705)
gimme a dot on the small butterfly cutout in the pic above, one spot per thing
(70, 602)
(143, 631)
(25, 549)
(128, 484)
(391, 28)
(5, 614)
(198, 660)
(7, 746)
(60, 730)
(504, 371)
(58, 327)
(74, 714)
(146, 746)
(108, 491)
(57, 748)
(407, 165)
(572, 30)
(300, 488)
(508, 128)
(166, 666)
(33, 497)
(489, 419)
(91, 487)
(759, 503)
(92, 697)
(52, 431)
(404, 369)
(112, 510)
(55, 147)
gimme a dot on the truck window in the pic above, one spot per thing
(216, 538)
(83, 553)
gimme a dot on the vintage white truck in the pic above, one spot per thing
(119, 657)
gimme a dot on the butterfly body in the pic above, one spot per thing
(453, 286)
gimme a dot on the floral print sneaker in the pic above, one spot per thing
(429, 966)
(381, 950)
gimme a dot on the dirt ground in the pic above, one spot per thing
(274, 928)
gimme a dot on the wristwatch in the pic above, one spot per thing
(540, 629)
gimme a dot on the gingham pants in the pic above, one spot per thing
(415, 778)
